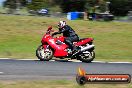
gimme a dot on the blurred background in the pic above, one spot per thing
(109, 22)
(85, 9)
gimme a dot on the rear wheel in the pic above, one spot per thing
(44, 55)
(86, 56)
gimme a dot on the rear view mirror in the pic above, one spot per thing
(50, 27)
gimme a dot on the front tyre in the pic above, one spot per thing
(86, 56)
(44, 55)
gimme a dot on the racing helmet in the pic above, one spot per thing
(61, 24)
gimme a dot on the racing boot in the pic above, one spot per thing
(75, 51)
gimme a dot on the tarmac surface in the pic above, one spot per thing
(45, 70)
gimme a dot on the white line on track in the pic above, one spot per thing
(1, 72)
(5, 58)
(77, 61)
(99, 61)
(120, 62)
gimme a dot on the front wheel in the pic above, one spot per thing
(44, 55)
(86, 56)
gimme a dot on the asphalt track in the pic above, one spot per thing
(39, 70)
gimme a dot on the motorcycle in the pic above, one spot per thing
(55, 47)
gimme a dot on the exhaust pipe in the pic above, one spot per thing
(87, 48)
(84, 49)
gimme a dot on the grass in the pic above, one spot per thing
(57, 84)
(20, 36)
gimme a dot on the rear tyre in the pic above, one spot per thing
(44, 55)
(86, 57)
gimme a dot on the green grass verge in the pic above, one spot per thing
(20, 36)
(57, 84)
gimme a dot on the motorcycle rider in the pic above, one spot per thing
(69, 33)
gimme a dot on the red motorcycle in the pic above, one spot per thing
(56, 47)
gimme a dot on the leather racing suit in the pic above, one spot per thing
(70, 35)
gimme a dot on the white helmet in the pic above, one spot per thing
(61, 24)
